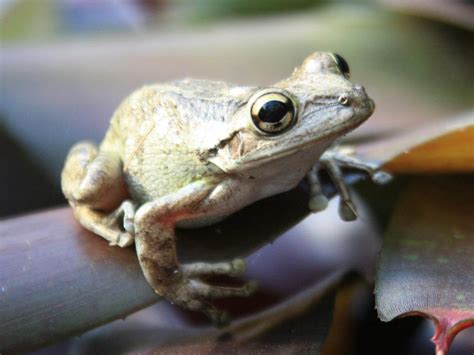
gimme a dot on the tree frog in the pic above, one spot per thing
(191, 152)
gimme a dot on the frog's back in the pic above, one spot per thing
(184, 103)
(161, 130)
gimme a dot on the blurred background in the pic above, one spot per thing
(65, 65)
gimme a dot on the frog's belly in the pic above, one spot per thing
(229, 196)
(163, 175)
(234, 196)
(235, 193)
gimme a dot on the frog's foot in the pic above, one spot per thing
(192, 293)
(116, 227)
(317, 201)
(233, 268)
(123, 218)
(332, 161)
(344, 158)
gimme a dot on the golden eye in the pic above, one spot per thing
(273, 112)
(341, 64)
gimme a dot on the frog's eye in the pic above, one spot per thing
(341, 64)
(273, 112)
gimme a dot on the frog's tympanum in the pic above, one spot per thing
(190, 153)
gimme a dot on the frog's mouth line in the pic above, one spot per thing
(328, 135)
(325, 138)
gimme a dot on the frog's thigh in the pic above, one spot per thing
(92, 181)
(93, 178)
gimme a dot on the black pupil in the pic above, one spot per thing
(341, 63)
(273, 111)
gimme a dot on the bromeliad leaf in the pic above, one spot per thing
(444, 147)
(426, 267)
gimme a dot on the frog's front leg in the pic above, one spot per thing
(332, 161)
(155, 241)
(94, 185)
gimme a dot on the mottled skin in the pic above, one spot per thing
(187, 154)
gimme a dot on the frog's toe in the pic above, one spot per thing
(347, 210)
(231, 268)
(206, 291)
(127, 212)
(218, 317)
(124, 240)
(381, 177)
(187, 298)
(318, 203)
(196, 295)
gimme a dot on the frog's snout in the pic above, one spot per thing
(371, 105)
(359, 99)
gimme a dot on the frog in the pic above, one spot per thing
(189, 153)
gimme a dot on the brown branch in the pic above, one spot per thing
(57, 279)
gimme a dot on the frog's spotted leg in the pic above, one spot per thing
(332, 161)
(93, 183)
(155, 241)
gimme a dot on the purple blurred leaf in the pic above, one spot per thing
(456, 12)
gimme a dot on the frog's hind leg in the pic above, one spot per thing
(93, 178)
(93, 183)
(116, 227)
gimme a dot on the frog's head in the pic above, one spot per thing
(297, 118)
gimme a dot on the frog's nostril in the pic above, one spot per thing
(344, 100)
(359, 88)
